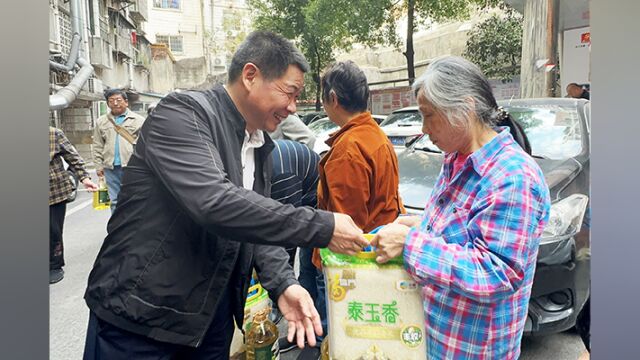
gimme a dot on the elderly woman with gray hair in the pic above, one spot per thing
(474, 249)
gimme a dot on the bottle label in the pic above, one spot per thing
(103, 196)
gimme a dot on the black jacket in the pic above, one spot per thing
(185, 230)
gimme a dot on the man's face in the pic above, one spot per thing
(444, 135)
(117, 104)
(274, 100)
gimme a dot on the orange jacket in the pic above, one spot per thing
(359, 176)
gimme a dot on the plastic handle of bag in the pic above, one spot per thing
(369, 252)
(258, 290)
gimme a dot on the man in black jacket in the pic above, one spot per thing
(193, 220)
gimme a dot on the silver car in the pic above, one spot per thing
(403, 126)
(323, 128)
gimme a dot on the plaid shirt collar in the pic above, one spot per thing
(480, 159)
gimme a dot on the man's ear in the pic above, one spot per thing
(250, 72)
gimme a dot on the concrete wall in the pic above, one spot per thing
(189, 73)
(116, 77)
(186, 22)
(162, 74)
(141, 79)
(78, 127)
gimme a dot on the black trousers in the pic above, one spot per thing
(108, 342)
(56, 223)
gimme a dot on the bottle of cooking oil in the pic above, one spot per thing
(324, 349)
(262, 338)
(101, 199)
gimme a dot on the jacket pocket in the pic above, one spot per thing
(177, 277)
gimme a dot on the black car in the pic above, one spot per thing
(559, 132)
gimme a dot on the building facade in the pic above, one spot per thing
(111, 41)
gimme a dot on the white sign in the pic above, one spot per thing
(576, 58)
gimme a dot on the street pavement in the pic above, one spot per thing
(84, 231)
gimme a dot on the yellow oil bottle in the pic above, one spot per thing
(324, 349)
(261, 340)
(101, 199)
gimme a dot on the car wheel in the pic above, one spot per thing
(74, 180)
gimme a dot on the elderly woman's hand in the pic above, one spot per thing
(389, 241)
(408, 220)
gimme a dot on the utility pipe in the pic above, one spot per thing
(68, 94)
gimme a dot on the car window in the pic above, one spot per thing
(322, 125)
(308, 117)
(404, 118)
(554, 131)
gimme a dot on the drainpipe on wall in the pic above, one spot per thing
(73, 56)
(65, 96)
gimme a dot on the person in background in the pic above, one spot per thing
(60, 187)
(474, 249)
(359, 173)
(292, 128)
(295, 181)
(578, 92)
(111, 152)
(194, 218)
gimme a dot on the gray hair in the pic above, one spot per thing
(349, 83)
(270, 52)
(450, 82)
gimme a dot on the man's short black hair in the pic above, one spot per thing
(349, 83)
(109, 93)
(270, 52)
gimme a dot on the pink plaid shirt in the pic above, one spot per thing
(475, 252)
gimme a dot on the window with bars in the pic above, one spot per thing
(166, 4)
(64, 22)
(173, 41)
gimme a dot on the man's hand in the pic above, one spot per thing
(296, 306)
(100, 173)
(389, 241)
(347, 237)
(408, 220)
(89, 185)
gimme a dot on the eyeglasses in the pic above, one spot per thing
(116, 101)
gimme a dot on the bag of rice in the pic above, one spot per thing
(257, 300)
(374, 310)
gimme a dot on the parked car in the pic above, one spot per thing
(324, 127)
(309, 117)
(379, 118)
(559, 132)
(403, 126)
